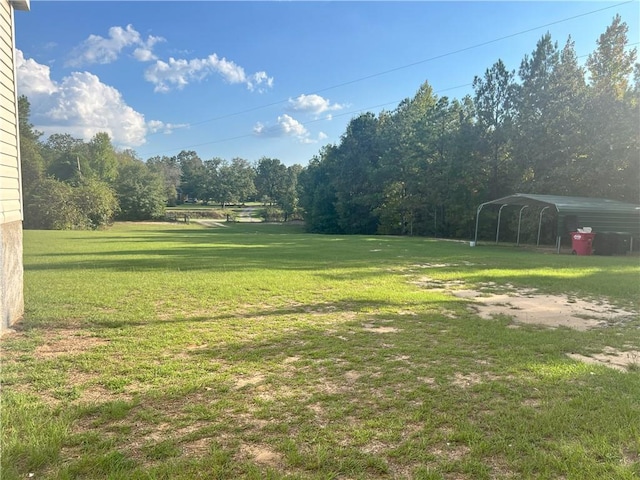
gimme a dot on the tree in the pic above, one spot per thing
(141, 192)
(50, 206)
(192, 174)
(535, 141)
(407, 147)
(610, 168)
(318, 195)
(32, 162)
(236, 181)
(213, 186)
(66, 157)
(611, 64)
(57, 205)
(494, 102)
(96, 203)
(357, 197)
(103, 162)
(271, 179)
(169, 169)
(290, 197)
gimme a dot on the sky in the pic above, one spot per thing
(269, 79)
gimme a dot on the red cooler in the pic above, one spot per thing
(581, 243)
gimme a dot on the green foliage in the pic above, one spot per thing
(50, 206)
(192, 174)
(271, 179)
(56, 205)
(141, 192)
(235, 181)
(423, 168)
(169, 168)
(97, 203)
(103, 161)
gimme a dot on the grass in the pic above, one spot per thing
(258, 351)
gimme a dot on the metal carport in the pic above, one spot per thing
(602, 215)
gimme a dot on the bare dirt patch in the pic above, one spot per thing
(379, 329)
(548, 310)
(251, 380)
(261, 454)
(527, 306)
(612, 358)
(210, 223)
(68, 342)
(466, 381)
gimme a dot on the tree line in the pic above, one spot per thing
(72, 184)
(554, 127)
(424, 167)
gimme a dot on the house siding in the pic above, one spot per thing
(11, 209)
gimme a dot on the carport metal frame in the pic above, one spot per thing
(603, 214)
(519, 222)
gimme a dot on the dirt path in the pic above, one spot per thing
(246, 215)
(209, 223)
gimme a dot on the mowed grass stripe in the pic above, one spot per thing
(259, 351)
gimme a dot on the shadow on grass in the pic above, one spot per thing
(363, 368)
(366, 307)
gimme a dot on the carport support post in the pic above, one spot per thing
(540, 225)
(519, 222)
(498, 227)
(475, 238)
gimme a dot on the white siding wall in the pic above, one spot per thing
(10, 195)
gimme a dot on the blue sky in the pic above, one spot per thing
(275, 79)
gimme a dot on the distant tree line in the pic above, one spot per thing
(216, 181)
(420, 169)
(72, 184)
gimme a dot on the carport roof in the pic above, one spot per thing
(568, 205)
(601, 214)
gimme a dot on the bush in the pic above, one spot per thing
(56, 205)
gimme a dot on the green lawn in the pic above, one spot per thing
(257, 351)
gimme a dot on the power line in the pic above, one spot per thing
(378, 74)
(352, 112)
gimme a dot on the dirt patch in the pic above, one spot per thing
(527, 306)
(612, 358)
(352, 376)
(453, 452)
(466, 381)
(378, 329)
(68, 342)
(210, 223)
(261, 454)
(548, 310)
(197, 448)
(252, 380)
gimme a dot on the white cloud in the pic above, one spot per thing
(80, 105)
(97, 49)
(314, 104)
(143, 54)
(33, 77)
(178, 73)
(290, 126)
(258, 79)
(156, 126)
(287, 126)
